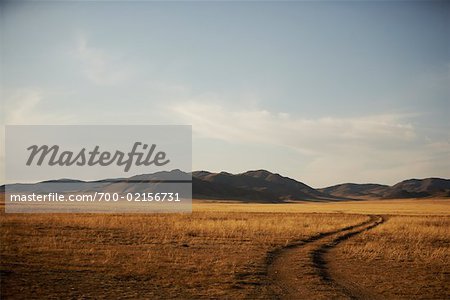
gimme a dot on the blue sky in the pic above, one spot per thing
(324, 92)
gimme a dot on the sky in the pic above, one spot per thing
(323, 92)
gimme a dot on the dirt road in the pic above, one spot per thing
(300, 270)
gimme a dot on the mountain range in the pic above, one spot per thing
(251, 186)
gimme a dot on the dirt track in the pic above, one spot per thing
(300, 270)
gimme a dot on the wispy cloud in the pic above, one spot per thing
(381, 148)
(99, 66)
(25, 106)
(306, 135)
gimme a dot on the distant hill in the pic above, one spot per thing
(411, 188)
(251, 186)
(202, 189)
(419, 188)
(356, 191)
(163, 181)
(264, 184)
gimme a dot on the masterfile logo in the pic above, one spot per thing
(98, 168)
(95, 157)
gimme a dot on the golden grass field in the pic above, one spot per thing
(221, 250)
(408, 257)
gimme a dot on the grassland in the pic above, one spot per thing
(218, 251)
(408, 257)
(184, 255)
(385, 207)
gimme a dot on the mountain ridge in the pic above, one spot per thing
(251, 186)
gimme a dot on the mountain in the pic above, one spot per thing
(411, 188)
(251, 186)
(202, 189)
(419, 188)
(54, 186)
(263, 184)
(356, 191)
(164, 181)
(138, 183)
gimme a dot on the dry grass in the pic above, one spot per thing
(385, 207)
(408, 255)
(177, 255)
(405, 238)
(207, 253)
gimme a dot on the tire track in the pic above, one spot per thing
(318, 257)
(300, 270)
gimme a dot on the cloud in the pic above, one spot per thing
(99, 66)
(310, 136)
(24, 106)
(382, 148)
(19, 106)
